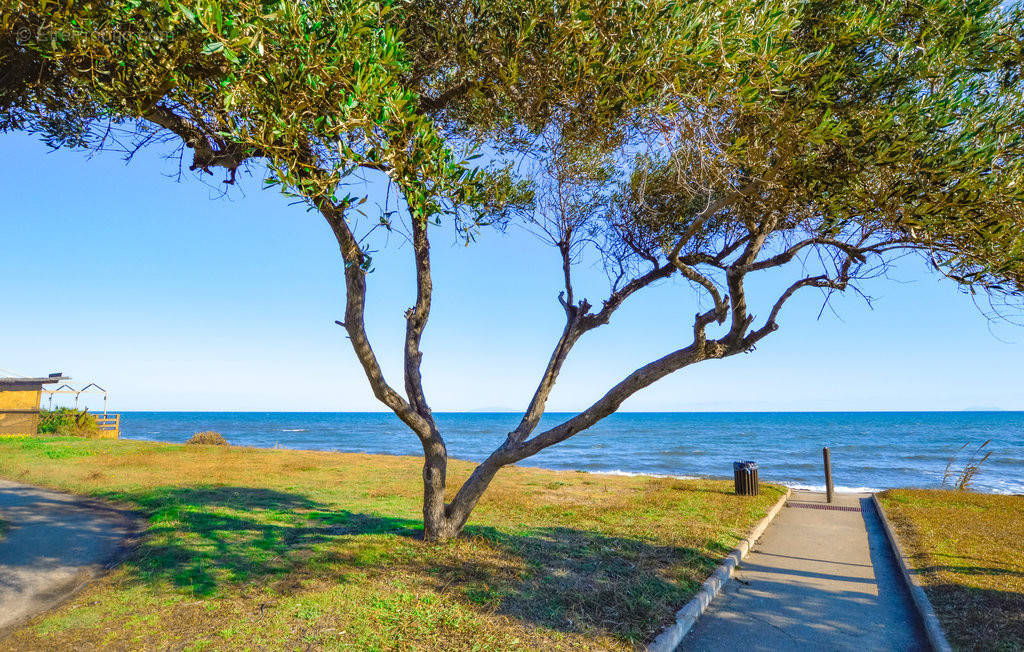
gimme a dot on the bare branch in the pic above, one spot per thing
(579, 320)
(735, 275)
(616, 299)
(610, 402)
(416, 320)
(790, 253)
(692, 274)
(840, 283)
(355, 308)
(709, 211)
(512, 451)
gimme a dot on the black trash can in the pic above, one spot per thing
(745, 476)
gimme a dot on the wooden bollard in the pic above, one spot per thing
(829, 490)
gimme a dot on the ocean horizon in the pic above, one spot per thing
(870, 450)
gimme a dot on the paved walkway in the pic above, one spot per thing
(818, 579)
(54, 543)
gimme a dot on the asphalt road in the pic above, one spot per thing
(54, 543)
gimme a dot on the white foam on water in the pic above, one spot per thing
(839, 489)
(294, 429)
(635, 474)
(1003, 487)
(800, 487)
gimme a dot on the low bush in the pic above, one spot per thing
(208, 438)
(67, 421)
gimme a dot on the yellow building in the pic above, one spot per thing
(19, 403)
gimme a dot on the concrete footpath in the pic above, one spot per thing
(817, 579)
(53, 544)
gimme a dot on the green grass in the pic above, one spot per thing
(965, 550)
(251, 548)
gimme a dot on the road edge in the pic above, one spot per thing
(672, 635)
(135, 533)
(932, 627)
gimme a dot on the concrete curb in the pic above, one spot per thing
(932, 628)
(670, 637)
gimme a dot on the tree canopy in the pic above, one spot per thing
(703, 140)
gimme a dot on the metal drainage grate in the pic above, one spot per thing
(838, 508)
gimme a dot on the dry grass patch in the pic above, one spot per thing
(965, 549)
(250, 548)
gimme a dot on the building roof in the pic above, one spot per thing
(52, 378)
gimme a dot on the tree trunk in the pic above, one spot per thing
(470, 492)
(436, 525)
(443, 522)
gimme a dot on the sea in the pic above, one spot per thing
(869, 450)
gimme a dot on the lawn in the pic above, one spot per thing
(965, 549)
(250, 548)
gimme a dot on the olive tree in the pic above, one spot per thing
(707, 141)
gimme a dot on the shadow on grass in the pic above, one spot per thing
(979, 568)
(207, 540)
(979, 619)
(584, 580)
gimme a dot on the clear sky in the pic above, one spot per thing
(175, 301)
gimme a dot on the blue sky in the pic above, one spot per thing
(175, 301)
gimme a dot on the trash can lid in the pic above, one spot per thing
(747, 465)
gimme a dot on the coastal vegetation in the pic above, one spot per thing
(726, 145)
(207, 438)
(965, 550)
(254, 548)
(67, 421)
(961, 480)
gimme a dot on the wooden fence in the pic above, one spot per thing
(109, 425)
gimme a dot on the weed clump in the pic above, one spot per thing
(67, 422)
(208, 438)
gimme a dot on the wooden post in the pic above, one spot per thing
(829, 490)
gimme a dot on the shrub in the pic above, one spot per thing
(67, 421)
(208, 438)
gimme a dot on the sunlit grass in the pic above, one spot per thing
(965, 549)
(250, 548)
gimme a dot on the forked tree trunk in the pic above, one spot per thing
(436, 525)
(444, 522)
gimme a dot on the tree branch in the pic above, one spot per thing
(354, 324)
(432, 104)
(616, 299)
(610, 402)
(208, 151)
(788, 255)
(510, 452)
(692, 274)
(734, 277)
(416, 320)
(579, 320)
(710, 211)
(840, 283)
